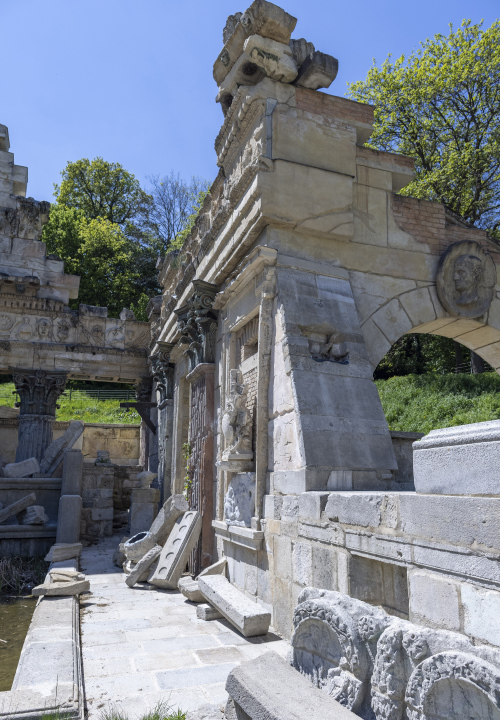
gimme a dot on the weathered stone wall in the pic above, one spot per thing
(106, 490)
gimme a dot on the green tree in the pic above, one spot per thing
(441, 106)
(101, 190)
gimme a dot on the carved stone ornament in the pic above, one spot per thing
(466, 279)
(163, 374)
(239, 503)
(236, 425)
(198, 324)
(384, 668)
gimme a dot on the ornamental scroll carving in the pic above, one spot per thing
(385, 668)
(39, 391)
(197, 322)
(163, 373)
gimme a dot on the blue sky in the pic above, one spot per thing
(131, 80)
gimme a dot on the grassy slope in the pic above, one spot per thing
(85, 408)
(420, 403)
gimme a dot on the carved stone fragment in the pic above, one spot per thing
(466, 279)
(236, 427)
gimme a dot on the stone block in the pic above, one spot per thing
(98, 514)
(142, 516)
(283, 557)
(63, 551)
(434, 600)
(22, 469)
(34, 515)
(143, 566)
(269, 688)
(207, 612)
(274, 58)
(318, 70)
(324, 567)
(17, 507)
(190, 589)
(272, 506)
(68, 519)
(175, 553)
(481, 609)
(53, 455)
(302, 563)
(247, 616)
(72, 472)
(173, 508)
(355, 508)
(146, 495)
(62, 589)
(312, 504)
(463, 460)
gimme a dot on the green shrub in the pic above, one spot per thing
(420, 403)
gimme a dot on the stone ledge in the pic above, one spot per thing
(28, 531)
(246, 537)
(34, 483)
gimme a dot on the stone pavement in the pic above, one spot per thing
(141, 645)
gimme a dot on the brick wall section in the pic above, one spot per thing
(106, 491)
(331, 106)
(250, 378)
(427, 223)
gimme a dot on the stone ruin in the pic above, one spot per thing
(378, 559)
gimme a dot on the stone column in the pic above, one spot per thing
(163, 375)
(39, 391)
(143, 391)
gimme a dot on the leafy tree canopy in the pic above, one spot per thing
(441, 106)
(101, 190)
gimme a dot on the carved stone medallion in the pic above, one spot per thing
(466, 279)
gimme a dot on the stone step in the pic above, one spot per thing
(247, 616)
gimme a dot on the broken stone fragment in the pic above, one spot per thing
(119, 555)
(63, 551)
(34, 515)
(143, 566)
(138, 545)
(218, 568)
(301, 49)
(173, 508)
(72, 587)
(318, 70)
(176, 551)
(54, 454)
(275, 59)
(65, 575)
(189, 588)
(269, 20)
(17, 507)
(146, 478)
(230, 26)
(22, 469)
(205, 611)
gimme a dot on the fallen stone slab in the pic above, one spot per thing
(74, 587)
(63, 551)
(247, 616)
(22, 469)
(53, 455)
(34, 515)
(163, 524)
(204, 611)
(17, 507)
(189, 588)
(143, 566)
(268, 688)
(176, 551)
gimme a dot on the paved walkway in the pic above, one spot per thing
(141, 645)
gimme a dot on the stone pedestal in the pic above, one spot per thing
(68, 519)
(144, 509)
(38, 391)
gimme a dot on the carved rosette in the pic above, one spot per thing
(197, 322)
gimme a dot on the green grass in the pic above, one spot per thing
(82, 407)
(161, 711)
(420, 403)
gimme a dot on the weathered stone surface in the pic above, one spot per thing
(146, 478)
(190, 589)
(463, 460)
(34, 515)
(172, 509)
(63, 551)
(68, 519)
(207, 612)
(274, 58)
(218, 568)
(22, 469)
(144, 509)
(355, 508)
(143, 566)
(318, 70)
(17, 507)
(466, 279)
(247, 616)
(119, 556)
(72, 472)
(434, 600)
(175, 553)
(138, 545)
(74, 587)
(239, 503)
(267, 688)
(55, 452)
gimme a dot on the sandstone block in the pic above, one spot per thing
(17, 507)
(190, 589)
(63, 551)
(355, 508)
(312, 504)
(175, 553)
(481, 609)
(274, 58)
(207, 612)
(318, 70)
(247, 616)
(434, 600)
(22, 469)
(74, 587)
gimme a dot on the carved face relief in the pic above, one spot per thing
(43, 329)
(115, 336)
(97, 333)
(63, 329)
(466, 279)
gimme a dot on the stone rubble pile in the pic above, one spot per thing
(62, 582)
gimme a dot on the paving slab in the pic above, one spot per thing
(143, 644)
